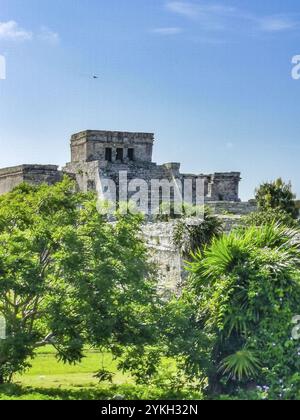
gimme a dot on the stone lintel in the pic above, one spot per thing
(112, 136)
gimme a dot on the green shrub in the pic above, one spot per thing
(232, 328)
(270, 216)
(277, 195)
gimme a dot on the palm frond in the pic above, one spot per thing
(243, 365)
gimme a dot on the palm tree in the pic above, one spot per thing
(246, 288)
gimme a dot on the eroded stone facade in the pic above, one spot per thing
(32, 174)
(166, 256)
(99, 155)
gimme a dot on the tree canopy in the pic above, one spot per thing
(68, 277)
(277, 195)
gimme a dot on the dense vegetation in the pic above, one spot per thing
(70, 279)
(277, 195)
(232, 327)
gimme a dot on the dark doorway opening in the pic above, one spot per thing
(120, 154)
(108, 154)
(131, 154)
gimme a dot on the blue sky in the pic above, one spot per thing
(212, 79)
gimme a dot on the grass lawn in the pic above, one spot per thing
(47, 372)
(49, 379)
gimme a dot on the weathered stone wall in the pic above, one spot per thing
(224, 186)
(91, 145)
(88, 175)
(164, 254)
(10, 179)
(32, 174)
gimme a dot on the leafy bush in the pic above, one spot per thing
(112, 392)
(277, 195)
(232, 328)
(270, 216)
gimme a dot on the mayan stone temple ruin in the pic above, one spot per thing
(103, 155)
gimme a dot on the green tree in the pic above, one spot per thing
(68, 277)
(277, 195)
(232, 328)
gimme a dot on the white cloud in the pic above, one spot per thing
(48, 36)
(167, 31)
(278, 24)
(12, 31)
(194, 10)
(189, 10)
(216, 17)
